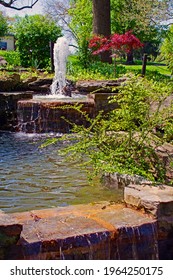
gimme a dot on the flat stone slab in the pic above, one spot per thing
(156, 200)
(92, 231)
(99, 85)
(26, 94)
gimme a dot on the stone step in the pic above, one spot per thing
(94, 231)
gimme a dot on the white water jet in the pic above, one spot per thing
(61, 51)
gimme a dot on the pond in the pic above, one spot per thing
(34, 178)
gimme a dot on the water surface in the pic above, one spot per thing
(35, 178)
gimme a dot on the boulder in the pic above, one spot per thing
(165, 153)
(3, 62)
(158, 202)
(9, 83)
(99, 86)
(40, 85)
(24, 84)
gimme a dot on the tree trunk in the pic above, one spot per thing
(102, 23)
(130, 60)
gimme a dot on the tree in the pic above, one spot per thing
(33, 34)
(117, 44)
(75, 18)
(80, 24)
(167, 48)
(3, 25)
(18, 4)
(102, 23)
(143, 17)
(137, 15)
(58, 10)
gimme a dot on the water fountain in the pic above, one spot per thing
(48, 113)
(59, 86)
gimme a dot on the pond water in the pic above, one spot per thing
(33, 178)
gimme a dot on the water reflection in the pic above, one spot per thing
(34, 178)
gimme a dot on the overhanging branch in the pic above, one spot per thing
(11, 3)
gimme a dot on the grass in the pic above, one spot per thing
(162, 69)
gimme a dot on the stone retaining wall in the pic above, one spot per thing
(140, 229)
(8, 109)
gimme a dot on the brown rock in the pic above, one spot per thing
(3, 62)
(9, 83)
(40, 85)
(156, 200)
(99, 86)
(94, 231)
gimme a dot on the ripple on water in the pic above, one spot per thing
(34, 178)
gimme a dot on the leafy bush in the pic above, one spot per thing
(33, 34)
(12, 57)
(124, 141)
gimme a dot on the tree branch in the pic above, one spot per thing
(10, 3)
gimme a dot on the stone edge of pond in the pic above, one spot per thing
(94, 231)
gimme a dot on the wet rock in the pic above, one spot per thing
(157, 201)
(8, 109)
(94, 231)
(24, 84)
(35, 116)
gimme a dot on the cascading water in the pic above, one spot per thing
(59, 88)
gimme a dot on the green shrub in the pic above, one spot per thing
(12, 57)
(33, 34)
(123, 141)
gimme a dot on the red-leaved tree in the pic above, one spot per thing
(118, 44)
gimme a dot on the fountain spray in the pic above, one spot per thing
(61, 52)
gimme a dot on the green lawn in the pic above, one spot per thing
(162, 69)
